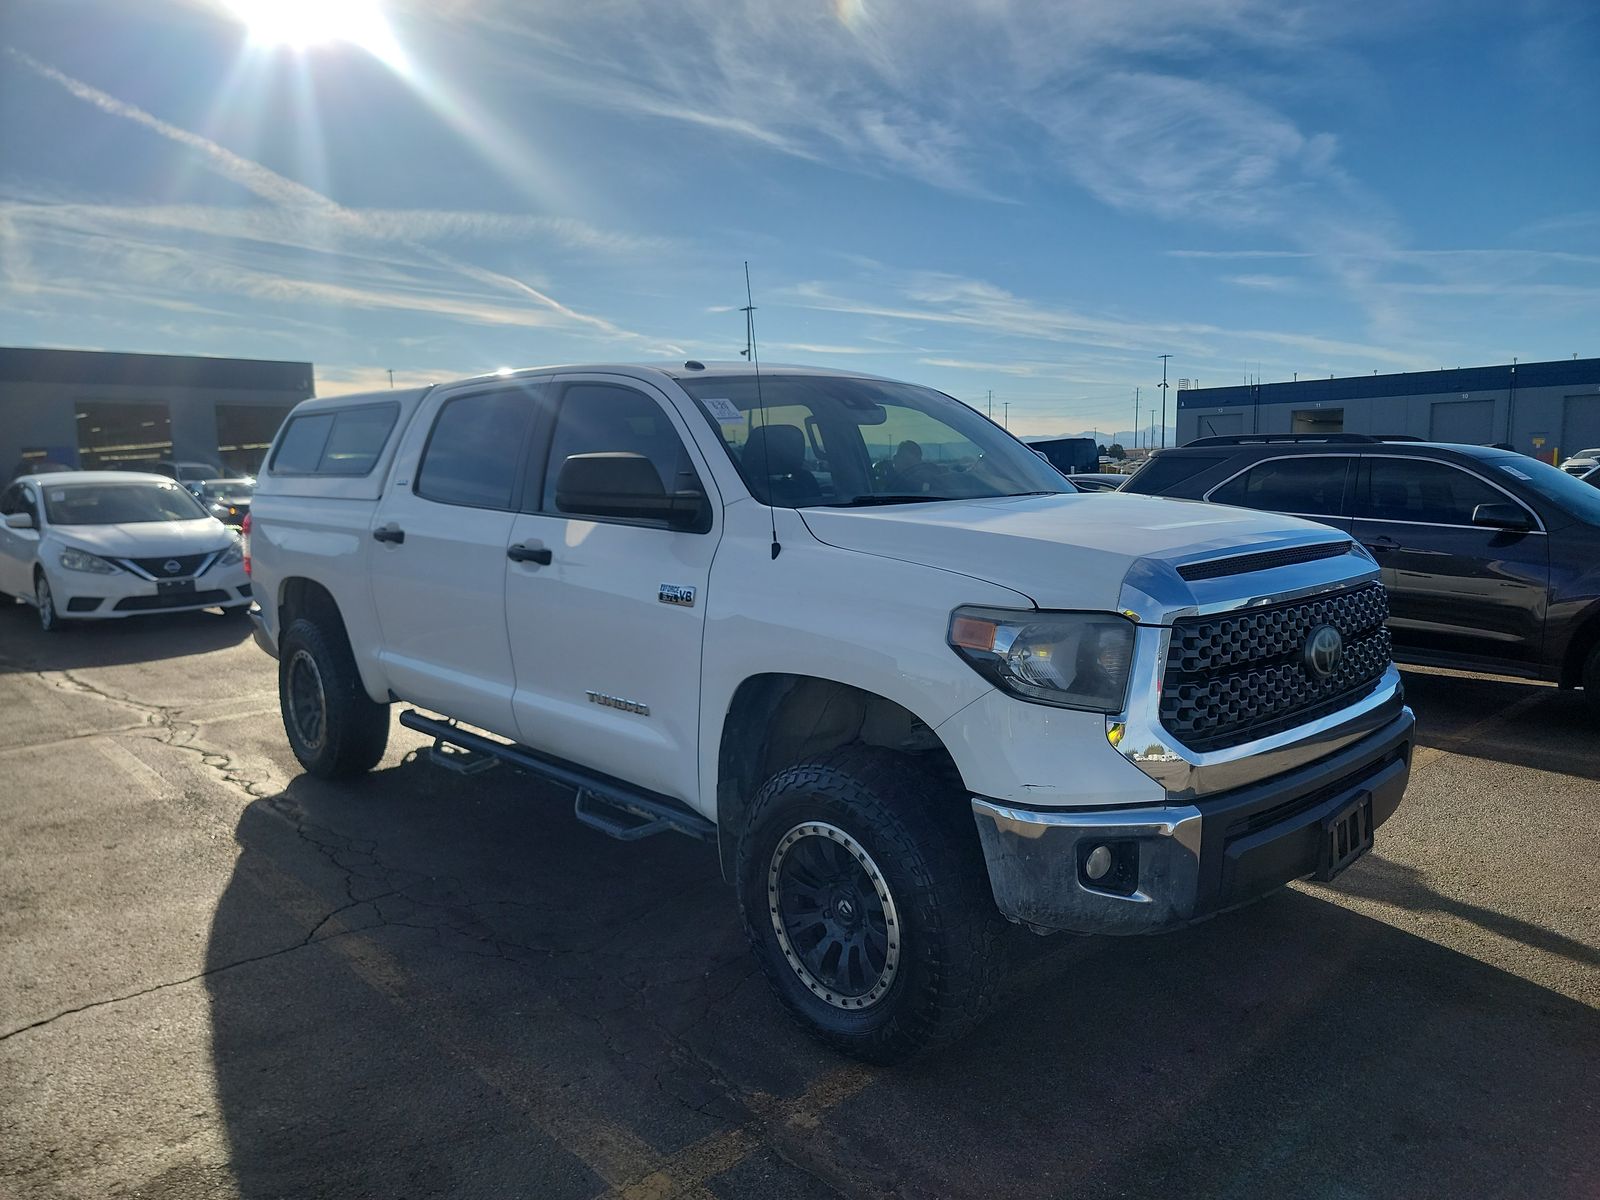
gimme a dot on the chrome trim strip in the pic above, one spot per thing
(1181, 823)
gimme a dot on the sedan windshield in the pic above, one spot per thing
(807, 440)
(119, 504)
(227, 491)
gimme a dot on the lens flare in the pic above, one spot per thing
(303, 24)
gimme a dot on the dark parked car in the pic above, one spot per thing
(1098, 481)
(1491, 558)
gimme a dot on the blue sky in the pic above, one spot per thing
(1034, 199)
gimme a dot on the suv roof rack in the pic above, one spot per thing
(1259, 439)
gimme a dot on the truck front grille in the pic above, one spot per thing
(1239, 676)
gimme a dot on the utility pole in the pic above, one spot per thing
(391, 377)
(991, 404)
(1135, 418)
(1164, 358)
(1007, 422)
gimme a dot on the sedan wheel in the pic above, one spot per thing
(49, 619)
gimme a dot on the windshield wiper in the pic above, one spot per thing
(871, 501)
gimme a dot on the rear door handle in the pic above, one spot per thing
(390, 533)
(533, 554)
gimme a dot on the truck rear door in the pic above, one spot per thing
(438, 560)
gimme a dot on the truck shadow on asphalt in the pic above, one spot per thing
(1504, 720)
(426, 985)
(149, 638)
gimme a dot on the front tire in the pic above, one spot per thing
(335, 729)
(866, 902)
(50, 619)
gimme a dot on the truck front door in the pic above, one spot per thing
(606, 612)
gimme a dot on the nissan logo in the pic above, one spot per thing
(1324, 648)
(172, 566)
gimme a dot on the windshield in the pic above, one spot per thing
(1567, 492)
(119, 504)
(226, 489)
(827, 440)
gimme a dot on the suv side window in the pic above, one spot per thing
(1165, 471)
(474, 453)
(1310, 485)
(11, 500)
(1429, 493)
(598, 418)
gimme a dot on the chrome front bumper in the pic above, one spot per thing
(1194, 858)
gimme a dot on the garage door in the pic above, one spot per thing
(1469, 421)
(1580, 424)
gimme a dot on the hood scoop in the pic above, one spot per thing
(1242, 564)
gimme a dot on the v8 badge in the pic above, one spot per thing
(672, 593)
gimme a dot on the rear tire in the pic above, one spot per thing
(866, 901)
(335, 729)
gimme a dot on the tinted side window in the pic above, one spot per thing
(11, 500)
(300, 449)
(1314, 486)
(475, 450)
(1166, 471)
(1408, 489)
(357, 439)
(597, 418)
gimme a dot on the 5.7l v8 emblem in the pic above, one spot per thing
(675, 593)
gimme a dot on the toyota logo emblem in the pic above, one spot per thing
(172, 566)
(1323, 651)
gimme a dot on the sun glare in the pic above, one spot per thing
(303, 24)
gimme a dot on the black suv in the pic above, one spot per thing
(1491, 558)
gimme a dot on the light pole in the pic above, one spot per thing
(1007, 418)
(1164, 358)
(1135, 418)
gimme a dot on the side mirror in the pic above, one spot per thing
(19, 520)
(1502, 516)
(626, 487)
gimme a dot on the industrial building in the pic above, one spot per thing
(1546, 409)
(81, 408)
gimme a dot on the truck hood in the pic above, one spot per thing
(145, 539)
(1062, 551)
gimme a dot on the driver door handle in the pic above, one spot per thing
(533, 554)
(1379, 544)
(390, 533)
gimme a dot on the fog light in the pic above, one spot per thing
(1098, 862)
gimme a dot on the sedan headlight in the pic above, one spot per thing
(74, 559)
(233, 554)
(1070, 660)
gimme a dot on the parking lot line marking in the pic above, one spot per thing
(130, 766)
(683, 1173)
(77, 735)
(1427, 755)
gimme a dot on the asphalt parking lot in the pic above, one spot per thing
(218, 978)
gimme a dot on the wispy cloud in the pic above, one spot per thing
(302, 217)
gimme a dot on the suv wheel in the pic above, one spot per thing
(864, 897)
(50, 619)
(335, 729)
(1591, 679)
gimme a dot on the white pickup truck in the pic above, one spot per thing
(906, 678)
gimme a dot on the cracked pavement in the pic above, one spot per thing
(220, 978)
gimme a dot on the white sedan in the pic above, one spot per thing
(91, 545)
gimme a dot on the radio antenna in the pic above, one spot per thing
(761, 403)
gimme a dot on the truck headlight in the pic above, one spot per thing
(74, 559)
(232, 554)
(1070, 660)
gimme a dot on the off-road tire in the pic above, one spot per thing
(920, 834)
(353, 732)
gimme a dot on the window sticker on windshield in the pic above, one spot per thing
(723, 410)
(1514, 471)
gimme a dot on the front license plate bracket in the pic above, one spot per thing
(1346, 836)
